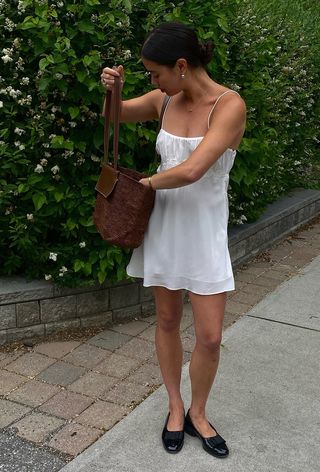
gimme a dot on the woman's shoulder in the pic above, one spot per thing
(229, 94)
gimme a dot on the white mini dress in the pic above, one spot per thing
(186, 242)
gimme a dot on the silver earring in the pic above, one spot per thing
(182, 76)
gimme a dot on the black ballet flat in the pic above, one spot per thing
(215, 445)
(172, 440)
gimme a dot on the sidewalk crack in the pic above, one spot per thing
(285, 323)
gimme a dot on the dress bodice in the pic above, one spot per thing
(176, 149)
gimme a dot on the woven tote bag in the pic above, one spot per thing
(123, 205)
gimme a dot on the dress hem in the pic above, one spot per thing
(193, 286)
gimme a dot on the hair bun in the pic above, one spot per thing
(206, 51)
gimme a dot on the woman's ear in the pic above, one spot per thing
(182, 65)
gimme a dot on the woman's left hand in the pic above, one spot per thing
(145, 182)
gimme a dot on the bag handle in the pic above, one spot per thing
(116, 121)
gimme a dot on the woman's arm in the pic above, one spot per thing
(143, 108)
(227, 124)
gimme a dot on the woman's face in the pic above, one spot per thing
(167, 79)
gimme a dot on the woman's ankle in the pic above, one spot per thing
(176, 405)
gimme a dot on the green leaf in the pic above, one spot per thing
(222, 22)
(43, 84)
(74, 111)
(101, 277)
(77, 265)
(86, 27)
(29, 22)
(71, 224)
(58, 196)
(39, 200)
(58, 142)
(128, 5)
(82, 75)
(23, 188)
(87, 268)
(104, 264)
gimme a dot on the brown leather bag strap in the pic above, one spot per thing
(116, 119)
(116, 122)
(107, 111)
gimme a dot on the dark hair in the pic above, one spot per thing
(171, 41)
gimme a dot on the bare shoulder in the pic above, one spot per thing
(158, 98)
(231, 96)
(230, 104)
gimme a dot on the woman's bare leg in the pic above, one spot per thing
(169, 306)
(208, 312)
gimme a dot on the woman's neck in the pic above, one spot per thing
(198, 85)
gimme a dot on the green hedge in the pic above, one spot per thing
(51, 129)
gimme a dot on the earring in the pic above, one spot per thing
(182, 76)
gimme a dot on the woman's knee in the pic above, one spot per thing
(168, 320)
(210, 342)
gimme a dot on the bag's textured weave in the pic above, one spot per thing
(123, 205)
(122, 217)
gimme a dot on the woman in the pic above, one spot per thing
(186, 243)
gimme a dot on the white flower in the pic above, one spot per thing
(25, 81)
(48, 276)
(19, 131)
(55, 169)
(82, 244)
(43, 162)
(7, 51)
(39, 169)
(1, 104)
(21, 7)
(22, 147)
(62, 271)
(17, 143)
(72, 124)
(95, 158)
(9, 25)
(16, 43)
(29, 216)
(287, 69)
(53, 256)
(6, 58)
(127, 54)
(58, 76)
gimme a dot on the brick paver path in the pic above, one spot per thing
(64, 395)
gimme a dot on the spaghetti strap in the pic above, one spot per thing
(227, 91)
(164, 111)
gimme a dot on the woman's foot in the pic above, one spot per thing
(172, 439)
(214, 444)
(176, 419)
(202, 425)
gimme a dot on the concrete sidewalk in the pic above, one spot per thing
(265, 400)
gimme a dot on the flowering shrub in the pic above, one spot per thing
(274, 55)
(51, 130)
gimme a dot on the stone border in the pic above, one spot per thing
(39, 308)
(279, 219)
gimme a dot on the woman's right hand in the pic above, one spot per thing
(108, 75)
